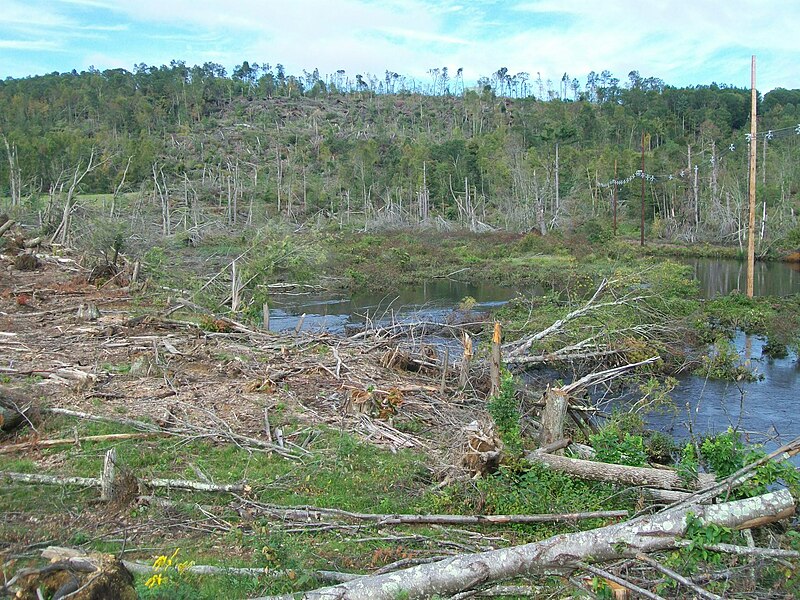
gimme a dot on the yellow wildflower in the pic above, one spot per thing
(185, 565)
(155, 580)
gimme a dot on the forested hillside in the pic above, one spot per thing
(508, 153)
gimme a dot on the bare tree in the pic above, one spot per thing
(118, 189)
(14, 172)
(61, 234)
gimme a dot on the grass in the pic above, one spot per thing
(341, 472)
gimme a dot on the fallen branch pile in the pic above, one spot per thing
(568, 552)
(563, 553)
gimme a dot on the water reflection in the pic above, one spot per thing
(721, 276)
(429, 301)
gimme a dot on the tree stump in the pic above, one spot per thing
(553, 416)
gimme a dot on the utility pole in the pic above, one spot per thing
(751, 231)
(642, 220)
(615, 196)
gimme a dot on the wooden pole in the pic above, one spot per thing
(615, 196)
(641, 226)
(751, 230)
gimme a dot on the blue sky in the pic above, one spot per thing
(683, 42)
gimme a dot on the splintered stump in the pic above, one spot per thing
(495, 363)
(463, 377)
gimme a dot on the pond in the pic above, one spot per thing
(767, 410)
(430, 301)
(721, 276)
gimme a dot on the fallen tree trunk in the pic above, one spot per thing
(109, 437)
(622, 474)
(559, 553)
(97, 482)
(75, 559)
(333, 576)
(312, 513)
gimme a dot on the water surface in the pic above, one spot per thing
(764, 410)
(718, 276)
(429, 301)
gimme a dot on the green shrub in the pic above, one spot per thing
(596, 231)
(505, 411)
(724, 362)
(725, 454)
(689, 465)
(615, 446)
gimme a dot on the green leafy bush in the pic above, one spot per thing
(689, 465)
(724, 362)
(615, 446)
(725, 454)
(505, 411)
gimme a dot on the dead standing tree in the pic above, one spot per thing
(14, 173)
(61, 234)
(162, 190)
(117, 190)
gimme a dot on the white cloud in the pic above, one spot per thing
(29, 45)
(673, 41)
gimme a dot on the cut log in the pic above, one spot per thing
(109, 437)
(6, 226)
(73, 557)
(621, 474)
(312, 513)
(562, 553)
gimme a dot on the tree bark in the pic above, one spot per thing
(553, 416)
(96, 482)
(559, 553)
(109, 437)
(108, 478)
(6, 226)
(622, 474)
(312, 513)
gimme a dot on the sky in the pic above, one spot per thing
(683, 42)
